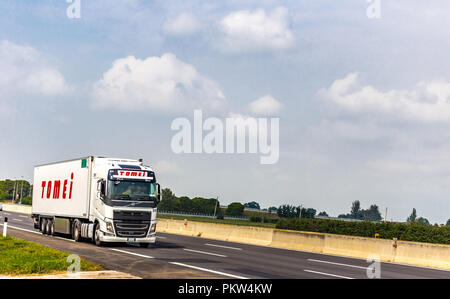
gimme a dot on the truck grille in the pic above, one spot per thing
(134, 229)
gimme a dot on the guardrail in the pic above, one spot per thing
(201, 215)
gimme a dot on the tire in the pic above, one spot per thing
(76, 230)
(44, 226)
(50, 227)
(97, 235)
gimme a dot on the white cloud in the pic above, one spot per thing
(24, 70)
(426, 102)
(183, 24)
(265, 105)
(248, 31)
(156, 84)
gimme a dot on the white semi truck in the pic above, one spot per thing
(97, 198)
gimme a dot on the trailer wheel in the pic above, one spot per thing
(50, 227)
(44, 226)
(97, 235)
(76, 230)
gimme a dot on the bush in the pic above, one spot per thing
(235, 209)
(255, 219)
(25, 201)
(386, 230)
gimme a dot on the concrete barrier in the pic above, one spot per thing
(17, 208)
(412, 253)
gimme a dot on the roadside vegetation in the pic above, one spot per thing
(20, 257)
(218, 221)
(415, 232)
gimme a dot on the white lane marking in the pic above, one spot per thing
(328, 274)
(132, 253)
(221, 246)
(22, 229)
(7, 214)
(23, 216)
(35, 232)
(65, 239)
(159, 237)
(337, 264)
(208, 270)
(17, 220)
(204, 252)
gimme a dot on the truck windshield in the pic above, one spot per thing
(131, 190)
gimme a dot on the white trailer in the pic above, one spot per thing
(97, 198)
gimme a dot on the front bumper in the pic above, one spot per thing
(112, 239)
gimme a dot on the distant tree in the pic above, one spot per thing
(355, 211)
(3, 195)
(27, 200)
(422, 221)
(323, 214)
(252, 205)
(345, 216)
(168, 200)
(184, 204)
(272, 209)
(308, 213)
(235, 209)
(288, 211)
(412, 218)
(372, 214)
(205, 205)
(448, 222)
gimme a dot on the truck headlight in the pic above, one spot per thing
(153, 229)
(109, 227)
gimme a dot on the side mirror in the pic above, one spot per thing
(101, 186)
(158, 193)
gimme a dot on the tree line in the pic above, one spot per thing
(209, 206)
(198, 205)
(22, 188)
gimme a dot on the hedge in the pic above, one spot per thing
(386, 230)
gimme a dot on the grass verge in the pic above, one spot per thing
(20, 257)
(218, 221)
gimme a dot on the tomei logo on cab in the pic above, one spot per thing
(122, 173)
(55, 190)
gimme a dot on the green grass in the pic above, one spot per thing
(20, 257)
(219, 221)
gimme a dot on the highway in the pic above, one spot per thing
(176, 256)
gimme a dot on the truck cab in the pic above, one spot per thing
(125, 204)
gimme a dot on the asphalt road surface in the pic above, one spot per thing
(175, 256)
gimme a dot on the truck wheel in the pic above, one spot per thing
(97, 235)
(44, 226)
(50, 227)
(76, 231)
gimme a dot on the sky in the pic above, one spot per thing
(361, 90)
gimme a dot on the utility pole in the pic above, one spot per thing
(21, 189)
(385, 215)
(14, 191)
